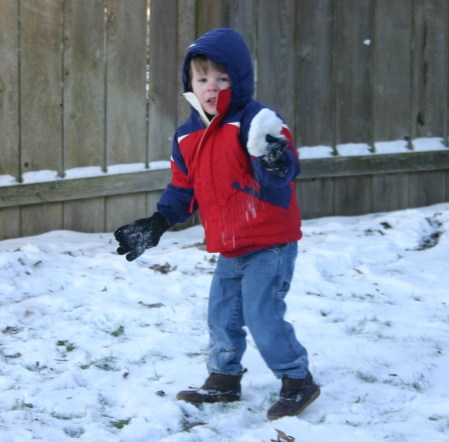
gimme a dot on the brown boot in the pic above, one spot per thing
(217, 388)
(295, 396)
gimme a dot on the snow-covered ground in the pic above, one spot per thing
(95, 348)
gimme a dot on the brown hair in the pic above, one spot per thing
(203, 64)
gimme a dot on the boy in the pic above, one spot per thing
(234, 160)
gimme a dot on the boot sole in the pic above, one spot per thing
(312, 398)
(197, 398)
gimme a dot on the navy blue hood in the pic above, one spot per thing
(226, 47)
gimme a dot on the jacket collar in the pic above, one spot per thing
(193, 101)
(223, 103)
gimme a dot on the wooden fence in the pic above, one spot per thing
(91, 84)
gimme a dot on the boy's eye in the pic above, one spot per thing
(221, 80)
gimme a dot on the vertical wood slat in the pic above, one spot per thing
(353, 56)
(210, 14)
(392, 67)
(430, 74)
(152, 199)
(314, 98)
(446, 57)
(186, 24)
(84, 88)
(316, 197)
(10, 226)
(276, 65)
(40, 85)
(120, 210)
(427, 188)
(164, 78)
(9, 90)
(9, 111)
(126, 140)
(126, 81)
(390, 192)
(352, 195)
(41, 104)
(85, 215)
(242, 16)
(315, 94)
(41, 218)
(84, 105)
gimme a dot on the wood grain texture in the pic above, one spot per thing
(98, 83)
(392, 47)
(9, 91)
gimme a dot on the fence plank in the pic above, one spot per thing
(155, 180)
(84, 97)
(85, 215)
(276, 76)
(122, 210)
(390, 192)
(315, 90)
(10, 223)
(392, 65)
(41, 103)
(41, 218)
(41, 85)
(126, 81)
(210, 14)
(9, 90)
(186, 35)
(243, 18)
(164, 78)
(427, 188)
(9, 111)
(84, 188)
(316, 197)
(126, 107)
(447, 186)
(152, 200)
(84, 104)
(430, 75)
(375, 164)
(352, 195)
(40, 79)
(352, 61)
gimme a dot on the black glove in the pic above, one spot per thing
(276, 159)
(142, 234)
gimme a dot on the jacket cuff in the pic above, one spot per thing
(265, 122)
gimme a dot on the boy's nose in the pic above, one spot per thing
(213, 85)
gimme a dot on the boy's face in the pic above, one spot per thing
(206, 84)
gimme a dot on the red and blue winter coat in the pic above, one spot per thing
(217, 164)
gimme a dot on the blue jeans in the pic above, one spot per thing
(249, 291)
